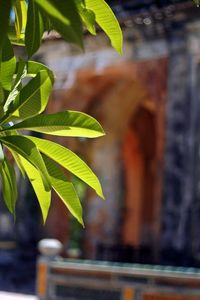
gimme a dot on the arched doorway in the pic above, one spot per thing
(115, 97)
(140, 159)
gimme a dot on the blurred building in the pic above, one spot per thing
(148, 102)
(148, 162)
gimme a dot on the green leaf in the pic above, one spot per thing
(107, 21)
(5, 8)
(7, 64)
(13, 36)
(69, 161)
(9, 186)
(34, 67)
(27, 149)
(20, 8)
(44, 196)
(46, 21)
(64, 18)
(18, 162)
(34, 28)
(21, 73)
(64, 189)
(68, 123)
(32, 99)
(87, 16)
(1, 153)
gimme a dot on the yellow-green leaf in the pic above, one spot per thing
(27, 149)
(20, 8)
(107, 21)
(67, 123)
(69, 160)
(43, 196)
(32, 98)
(64, 189)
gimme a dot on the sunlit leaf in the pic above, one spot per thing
(20, 8)
(13, 36)
(34, 67)
(27, 149)
(68, 123)
(87, 16)
(107, 21)
(21, 73)
(1, 153)
(32, 98)
(64, 189)
(43, 195)
(69, 160)
(18, 162)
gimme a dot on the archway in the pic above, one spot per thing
(140, 159)
(114, 97)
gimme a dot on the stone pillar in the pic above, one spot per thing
(194, 46)
(177, 182)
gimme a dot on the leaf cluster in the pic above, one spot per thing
(25, 87)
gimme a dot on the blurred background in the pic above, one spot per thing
(148, 103)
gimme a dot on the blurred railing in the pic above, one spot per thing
(60, 279)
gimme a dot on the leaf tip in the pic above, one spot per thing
(101, 194)
(81, 222)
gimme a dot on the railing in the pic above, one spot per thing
(91, 280)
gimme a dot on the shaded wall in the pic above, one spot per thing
(176, 204)
(113, 97)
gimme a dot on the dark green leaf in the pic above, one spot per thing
(7, 65)
(9, 186)
(64, 18)
(5, 8)
(34, 28)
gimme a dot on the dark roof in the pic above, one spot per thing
(155, 18)
(140, 6)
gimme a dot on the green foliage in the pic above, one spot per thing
(105, 18)
(25, 87)
(197, 2)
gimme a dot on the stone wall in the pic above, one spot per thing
(112, 88)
